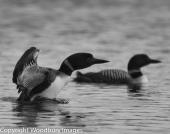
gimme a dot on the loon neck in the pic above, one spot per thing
(135, 73)
(66, 68)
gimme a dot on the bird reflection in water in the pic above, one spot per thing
(47, 112)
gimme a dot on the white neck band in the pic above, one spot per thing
(69, 65)
(134, 71)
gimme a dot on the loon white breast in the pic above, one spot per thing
(134, 74)
(34, 81)
(140, 80)
(54, 89)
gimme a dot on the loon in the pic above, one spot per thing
(34, 81)
(133, 76)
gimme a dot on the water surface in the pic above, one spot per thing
(113, 30)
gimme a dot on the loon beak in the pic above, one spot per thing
(154, 61)
(97, 61)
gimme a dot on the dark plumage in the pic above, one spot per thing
(109, 76)
(35, 81)
(29, 57)
(116, 76)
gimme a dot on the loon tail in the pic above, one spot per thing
(79, 74)
(82, 78)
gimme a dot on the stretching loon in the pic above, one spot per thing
(34, 81)
(116, 76)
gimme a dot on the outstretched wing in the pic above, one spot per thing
(31, 77)
(18, 68)
(35, 79)
(26, 59)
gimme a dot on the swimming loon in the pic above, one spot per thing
(117, 76)
(34, 81)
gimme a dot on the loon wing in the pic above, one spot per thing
(49, 77)
(35, 79)
(25, 60)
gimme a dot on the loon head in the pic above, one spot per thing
(138, 61)
(79, 61)
(29, 57)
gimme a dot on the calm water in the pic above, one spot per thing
(111, 29)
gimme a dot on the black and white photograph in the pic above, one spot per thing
(84, 66)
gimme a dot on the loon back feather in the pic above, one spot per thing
(112, 76)
(115, 76)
